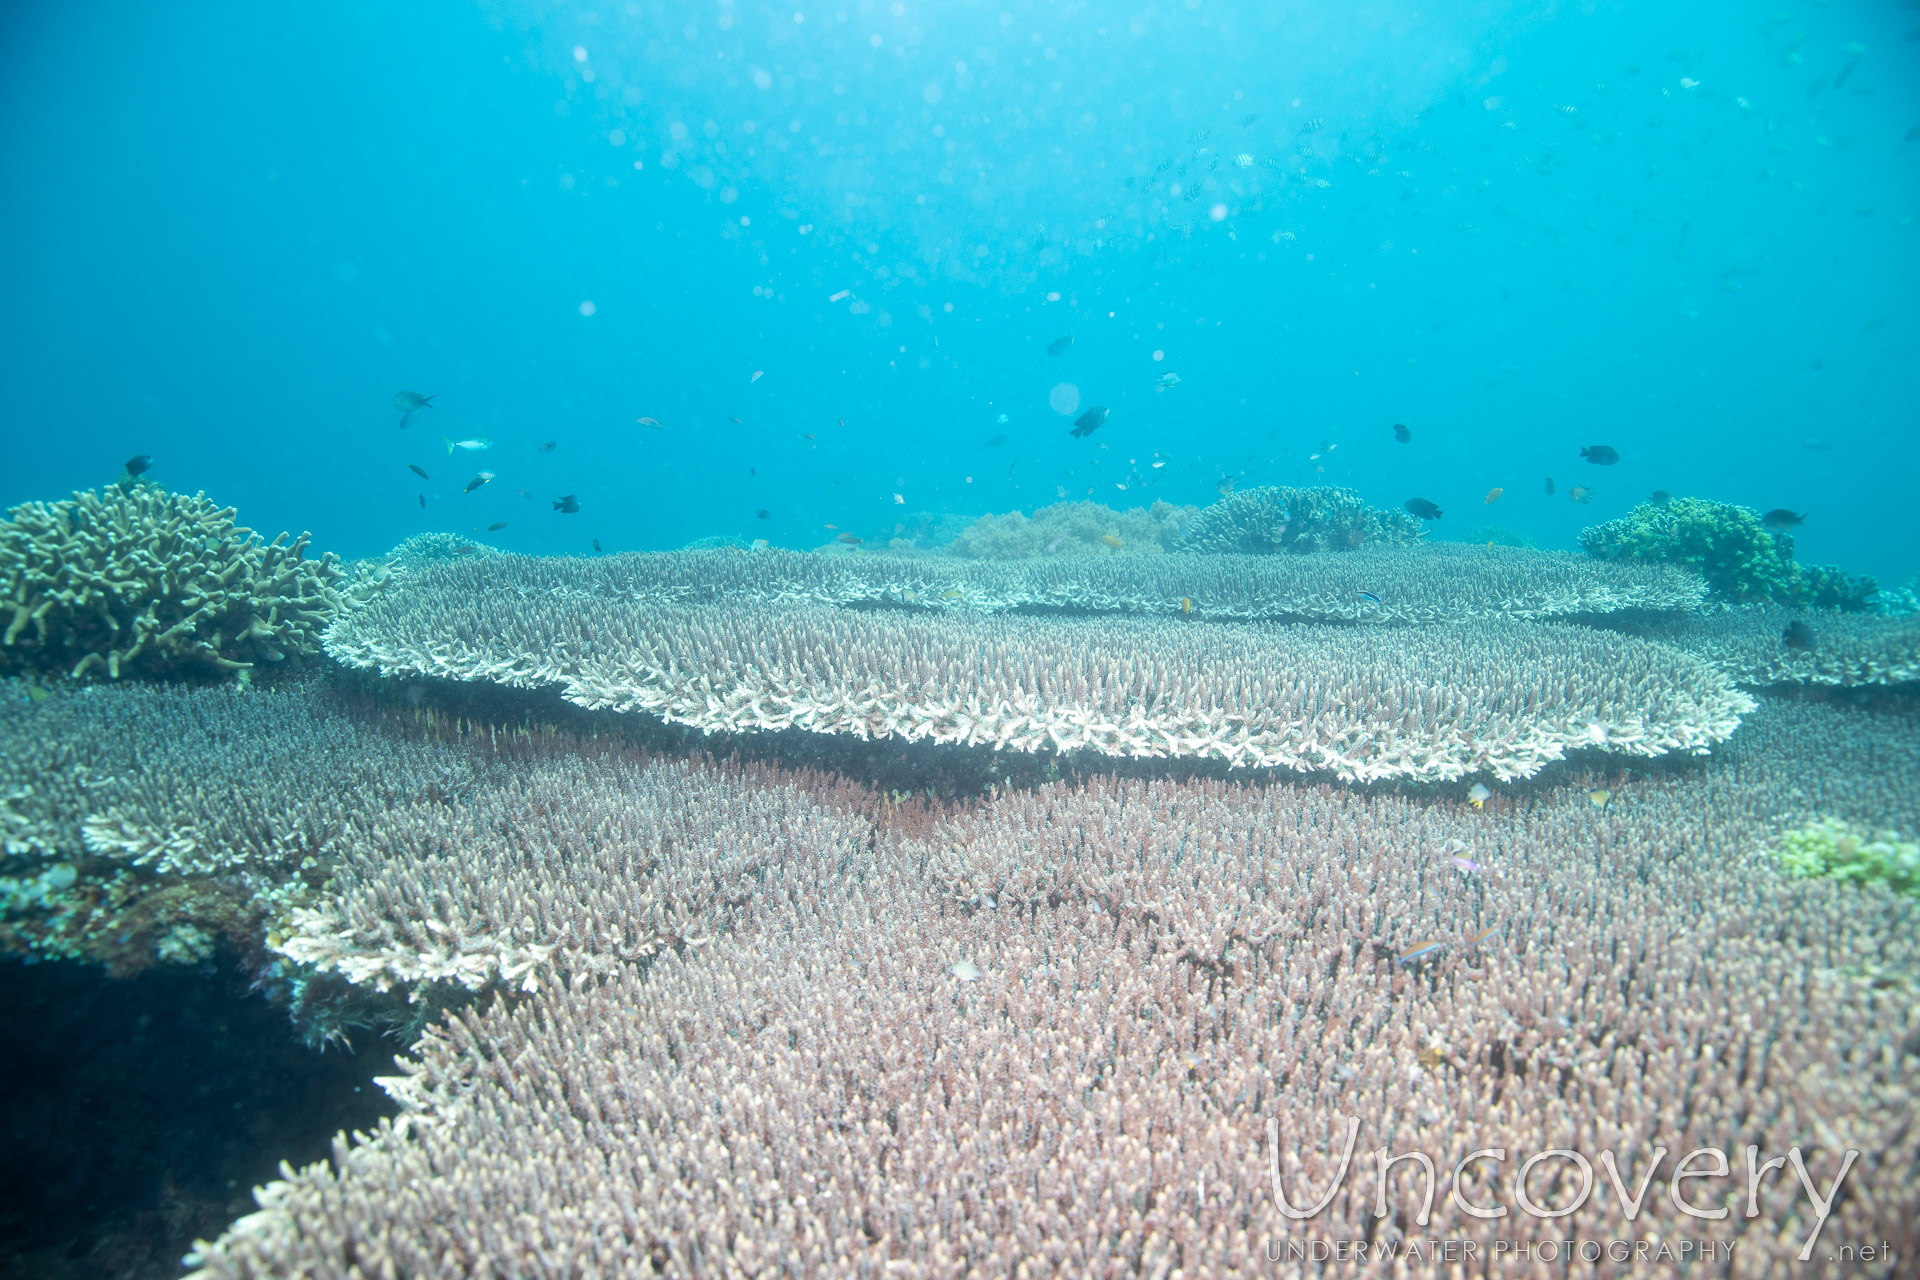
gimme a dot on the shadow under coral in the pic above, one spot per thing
(138, 1114)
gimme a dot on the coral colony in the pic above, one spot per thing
(1256, 984)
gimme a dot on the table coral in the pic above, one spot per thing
(146, 582)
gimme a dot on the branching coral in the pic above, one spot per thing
(1073, 529)
(1836, 850)
(1270, 519)
(1749, 643)
(1728, 546)
(146, 582)
(1361, 703)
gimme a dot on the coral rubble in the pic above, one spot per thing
(144, 582)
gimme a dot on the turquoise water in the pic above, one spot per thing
(235, 232)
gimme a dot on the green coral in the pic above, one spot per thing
(1277, 518)
(1836, 850)
(1073, 528)
(1727, 545)
(145, 582)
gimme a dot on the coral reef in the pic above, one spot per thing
(1851, 854)
(1748, 643)
(432, 548)
(1446, 582)
(144, 582)
(1090, 1030)
(1074, 529)
(1271, 519)
(1363, 704)
(1727, 545)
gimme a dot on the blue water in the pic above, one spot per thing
(234, 231)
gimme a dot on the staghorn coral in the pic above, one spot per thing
(1074, 529)
(1363, 704)
(1271, 519)
(1747, 643)
(579, 862)
(1160, 981)
(1740, 559)
(145, 582)
(1438, 583)
(1851, 854)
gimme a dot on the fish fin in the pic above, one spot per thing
(449, 442)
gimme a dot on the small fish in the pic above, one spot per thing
(549, 446)
(996, 442)
(1059, 345)
(735, 421)
(417, 471)
(1367, 597)
(1055, 544)
(1089, 422)
(1467, 866)
(1247, 120)
(1549, 486)
(423, 502)
(650, 422)
(757, 375)
(1484, 934)
(1660, 497)
(966, 971)
(806, 435)
(1798, 637)
(1479, 795)
(1002, 420)
(1418, 950)
(1402, 434)
(1580, 493)
(1598, 797)
(850, 539)
(410, 403)
(1423, 509)
(829, 526)
(1111, 541)
(567, 504)
(761, 513)
(485, 477)
(899, 500)
(1601, 455)
(953, 595)
(761, 544)
(1186, 604)
(1778, 518)
(596, 544)
(1313, 126)
(473, 444)
(523, 493)
(496, 526)
(138, 464)
(1597, 734)
(1167, 380)
(1493, 496)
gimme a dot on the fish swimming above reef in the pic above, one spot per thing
(1549, 486)
(761, 513)
(1598, 797)
(1167, 380)
(1601, 455)
(1479, 795)
(472, 444)
(485, 477)
(596, 544)
(1493, 496)
(1422, 508)
(423, 501)
(1778, 518)
(1108, 539)
(548, 447)
(1799, 637)
(1367, 597)
(410, 403)
(1059, 345)
(496, 526)
(1419, 950)
(851, 540)
(418, 471)
(1660, 497)
(653, 423)
(1402, 433)
(1089, 422)
(139, 463)
(1581, 494)
(966, 971)
(567, 505)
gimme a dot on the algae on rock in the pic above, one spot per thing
(145, 582)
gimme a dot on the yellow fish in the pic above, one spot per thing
(1599, 796)
(1186, 604)
(1493, 496)
(1479, 796)
(1111, 541)
(951, 595)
